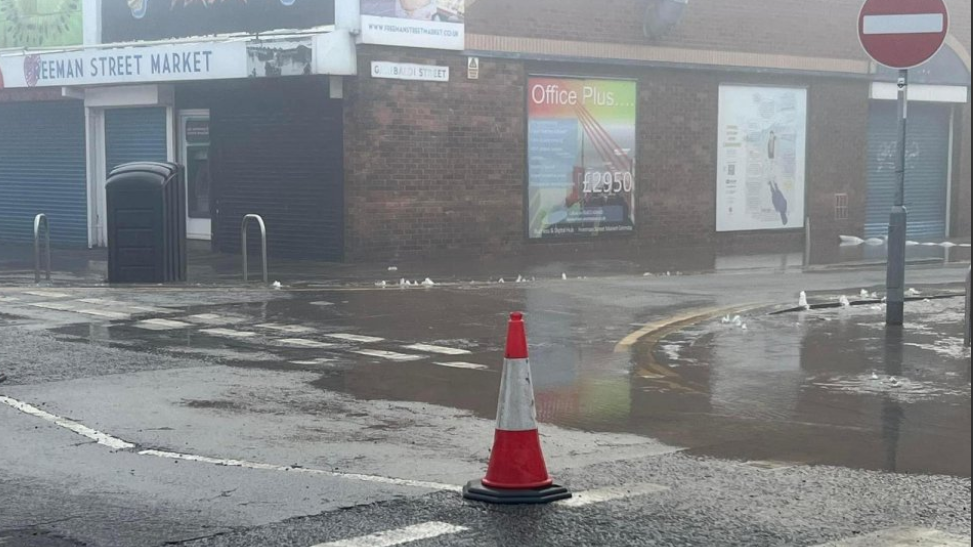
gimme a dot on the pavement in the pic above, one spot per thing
(345, 414)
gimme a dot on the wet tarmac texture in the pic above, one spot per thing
(829, 387)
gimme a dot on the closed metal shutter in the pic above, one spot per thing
(135, 134)
(277, 149)
(42, 170)
(927, 164)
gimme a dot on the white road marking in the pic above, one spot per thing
(604, 495)
(118, 444)
(103, 302)
(290, 329)
(321, 361)
(84, 431)
(391, 538)
(228, 333)
(904, 537)
(212, 319)
(355, 338)
(108, 314)
(918, 23)
(390, 355)
(322, 303)
(58, 306)
(304, 470)
(47, 294)
(148, 309)
(9, 299)
(467, 366)
(304, 343)
(437, 349)
(161, 324)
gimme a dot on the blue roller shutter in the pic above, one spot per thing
(927, 169)
(42, 170)
(135, 134)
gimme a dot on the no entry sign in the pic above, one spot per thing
(903, 34)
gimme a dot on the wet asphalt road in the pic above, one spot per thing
(375, 405)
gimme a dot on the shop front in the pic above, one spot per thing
(256, 122)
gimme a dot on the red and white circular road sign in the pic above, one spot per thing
(903, 34)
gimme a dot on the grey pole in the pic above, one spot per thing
(41, 222)
(898, 221)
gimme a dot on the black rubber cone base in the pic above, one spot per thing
(476, 491)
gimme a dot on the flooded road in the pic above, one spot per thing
(828, 387)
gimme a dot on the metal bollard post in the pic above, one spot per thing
(40, 221)
(966, 337)
(263, 246)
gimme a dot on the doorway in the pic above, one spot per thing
(194, 153)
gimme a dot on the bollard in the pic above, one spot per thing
(966, 337)
(263, 246)
(40, 221)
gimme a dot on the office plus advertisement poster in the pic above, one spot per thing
(762, 151)
(581, 156)
(434, 24)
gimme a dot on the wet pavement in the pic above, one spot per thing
(639, 380)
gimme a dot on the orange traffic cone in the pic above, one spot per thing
(517, 473)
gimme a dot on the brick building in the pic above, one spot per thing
(432, 167)
(725, 125)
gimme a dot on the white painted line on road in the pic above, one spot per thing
(437, 349)
(104, 302)
(47, 294)
(391, 538)
(148, 309)
(304, 343)
(322, 303)
(212, 319)
(467, 366)
(58, 306)
(290, 329)
(84, 431)
(320, 361)
(228, 333)
(161, 324)
(390, 355)
(918, 23)
(304, 470)
(108, 314)
(10, 299)
(603, 495)
(355, 338)
(904, 537)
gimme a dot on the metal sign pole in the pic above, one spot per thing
(898, 221)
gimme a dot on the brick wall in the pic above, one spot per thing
(819, 28)
(432, 168)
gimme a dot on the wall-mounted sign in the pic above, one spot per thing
(435, 24)
(131, 20)
(407, 71)
(48, 23)
(171, 63)
(473, 68)
(269, 58)
(581, 157)
(762, 151)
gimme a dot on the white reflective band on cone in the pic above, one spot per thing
(516, 409)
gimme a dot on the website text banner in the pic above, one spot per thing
(581, 157)
(433, 24)
(173, 63)
(762, 158)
